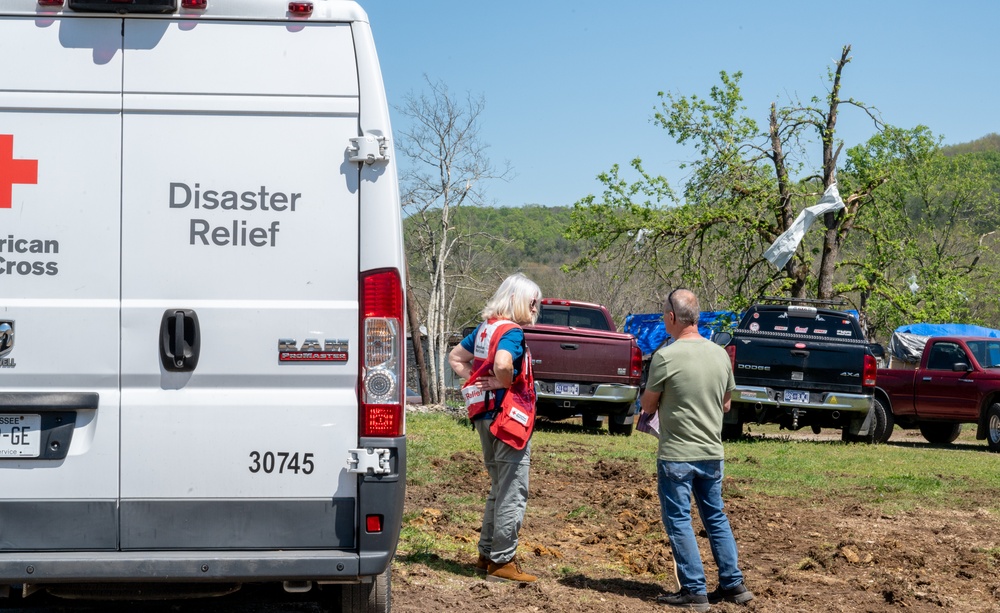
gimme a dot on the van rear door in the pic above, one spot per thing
(60, 134)
(240, 255)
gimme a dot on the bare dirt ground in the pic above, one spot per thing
(593, 536)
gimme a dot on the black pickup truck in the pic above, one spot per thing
(803, 366)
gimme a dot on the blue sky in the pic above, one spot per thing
(570, 87)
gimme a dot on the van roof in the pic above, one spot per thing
(271, 10)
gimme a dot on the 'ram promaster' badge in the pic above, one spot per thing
(331, 350)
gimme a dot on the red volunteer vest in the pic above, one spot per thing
(488, 336)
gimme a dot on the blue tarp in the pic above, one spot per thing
(649, 332)
(948, 330)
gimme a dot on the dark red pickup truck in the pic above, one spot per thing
(957, 381)
(582, 366)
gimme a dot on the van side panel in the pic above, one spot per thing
(248, 222)
(60, 131)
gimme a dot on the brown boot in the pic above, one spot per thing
(482, 564)
(511, 571)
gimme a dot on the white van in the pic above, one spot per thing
(201, 305)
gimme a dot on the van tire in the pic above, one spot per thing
(940, 432)
(374, 597)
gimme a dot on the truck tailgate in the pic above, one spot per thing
(780, 362)
(578, 354)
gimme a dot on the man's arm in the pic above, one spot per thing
(727, 402)
(650, 401)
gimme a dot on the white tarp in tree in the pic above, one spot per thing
(784, 247)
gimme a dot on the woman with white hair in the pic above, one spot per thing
(500, 397)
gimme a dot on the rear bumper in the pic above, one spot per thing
(611, 392)
(828, 401)
(178, 566)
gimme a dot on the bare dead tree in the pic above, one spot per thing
(447, 169)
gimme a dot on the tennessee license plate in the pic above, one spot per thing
(567, 389)
(20, 435)
(796, 396)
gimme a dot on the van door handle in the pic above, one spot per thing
(569, 345)
(180, 340)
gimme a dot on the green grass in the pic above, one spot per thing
(892, 477)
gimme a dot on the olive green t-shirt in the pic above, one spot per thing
(692, 376)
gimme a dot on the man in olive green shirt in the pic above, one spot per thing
(689, 386)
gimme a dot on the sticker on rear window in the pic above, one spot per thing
(844, 333)
(817, 331)
(781, 328)
(754, 326)
(801, 330)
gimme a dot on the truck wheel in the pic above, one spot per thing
(731, 432)
(622, 423)
(879, 431)
(889, 422)
(993, 428)
(374, 597)
(940, 432)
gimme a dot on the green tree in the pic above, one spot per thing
(746, 188)
(930, 239)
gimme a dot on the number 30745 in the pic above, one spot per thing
(281, 462)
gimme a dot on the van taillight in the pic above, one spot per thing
(50, 2)
(871, 370)
(731, 350)
(300, 8)
(381, 363)
(194, 4)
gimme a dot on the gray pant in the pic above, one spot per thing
(508, 497)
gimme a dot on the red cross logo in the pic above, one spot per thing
(482, 336)
(13, 171)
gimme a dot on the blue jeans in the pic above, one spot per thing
(676, 481)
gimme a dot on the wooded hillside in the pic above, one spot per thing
(534, 239)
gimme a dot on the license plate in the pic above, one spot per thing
(796, 396)
(567, 389)
(20, 435)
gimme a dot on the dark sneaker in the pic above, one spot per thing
(738, 594)
(685, 600)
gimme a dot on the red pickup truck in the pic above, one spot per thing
(957, 381)
(582, 366)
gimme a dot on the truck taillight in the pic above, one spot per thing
(635, 367)
(300, 8)
(871, 369)
(731, 350)
(381, 363)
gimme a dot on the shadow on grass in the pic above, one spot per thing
(463, 568)
(641, 590)
(790, 437)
